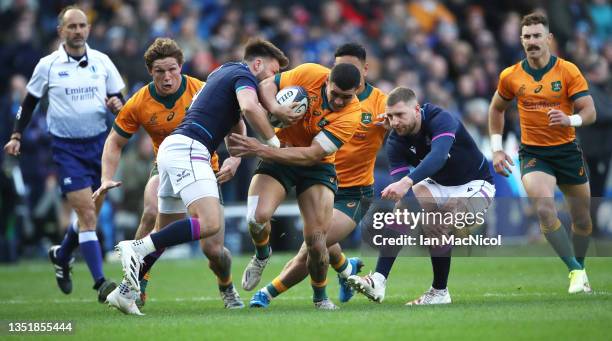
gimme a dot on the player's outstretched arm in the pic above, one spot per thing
(230, 165)
(501, 160)
(110, 161)
(255, 114)
(297, 156)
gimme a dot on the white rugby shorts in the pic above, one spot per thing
(477, 194)
(185, 173)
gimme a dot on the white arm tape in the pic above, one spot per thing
(496, 143)
(328, 145)
(274, 142)
(575, 120)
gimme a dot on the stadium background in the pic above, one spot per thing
(449, 52)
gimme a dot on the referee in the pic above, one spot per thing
(80, 83)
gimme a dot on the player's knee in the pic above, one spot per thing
(256, 212)
(547, 214)
(583, 228)
(87, 217)
(261, 217)
(257, 216)
(212, 251)
(209, 227)
(257, 221)
(315, 242)
(149, 214)
(317, 251)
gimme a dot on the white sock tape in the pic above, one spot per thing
(87, 236)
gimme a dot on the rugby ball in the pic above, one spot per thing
(286, 96)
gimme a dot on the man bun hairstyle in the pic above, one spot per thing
(257, 47)
(345, 76)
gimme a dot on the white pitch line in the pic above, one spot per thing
(542, 294)
(293, 298)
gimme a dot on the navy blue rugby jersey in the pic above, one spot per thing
(214, 110)
(443, 150)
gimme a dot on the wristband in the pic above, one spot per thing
(274, 142)
(496, 143)
(575, 120)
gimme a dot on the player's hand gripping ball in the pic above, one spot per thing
(287, 96)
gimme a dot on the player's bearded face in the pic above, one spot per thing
(266, 67)
(535, 40)
(403, 117)
(166, 75)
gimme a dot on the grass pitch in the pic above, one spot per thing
(493, 298)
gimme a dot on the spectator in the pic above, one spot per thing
(596, 139)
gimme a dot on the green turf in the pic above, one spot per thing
(493, 298)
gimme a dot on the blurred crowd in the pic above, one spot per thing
(450, 52)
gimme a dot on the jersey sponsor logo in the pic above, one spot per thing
(540, 105)
(366, 117)
(170, 116)
(538, 89)
(63, 74)
(413, 149)
(68, 181)
(581, 171)
(323, 122)
(351, 204)
(81, 93)
(360, 136)
(555, 86)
